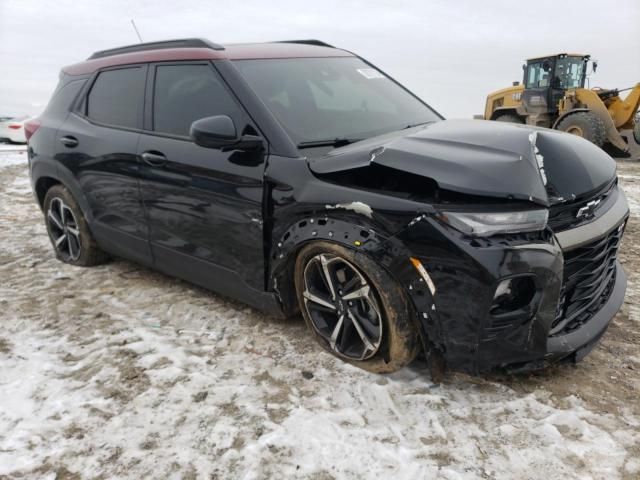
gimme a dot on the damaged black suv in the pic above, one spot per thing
(295, 176)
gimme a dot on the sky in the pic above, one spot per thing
(450, 53)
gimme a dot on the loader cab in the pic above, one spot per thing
(546, 79)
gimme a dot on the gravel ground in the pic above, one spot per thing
(121, 372)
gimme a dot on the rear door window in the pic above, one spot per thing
(116, 97)
(186, 93)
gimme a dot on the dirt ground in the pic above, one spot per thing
(121, 372)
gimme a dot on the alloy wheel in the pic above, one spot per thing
(64, 230)
(342, 306)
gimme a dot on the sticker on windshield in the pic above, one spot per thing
(370, 73)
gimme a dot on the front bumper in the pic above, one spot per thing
(466, 272)
(581, 341)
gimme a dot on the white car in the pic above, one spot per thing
(12, 129)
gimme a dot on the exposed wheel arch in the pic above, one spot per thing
(348, 232)
(384, 249)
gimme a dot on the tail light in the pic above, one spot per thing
(15, 126)
(30, 127)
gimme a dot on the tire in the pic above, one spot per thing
(636, 130)
(586, 125)
(68, 231)
(509, 118)
(382, 310)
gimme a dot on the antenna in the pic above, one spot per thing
(136, 29)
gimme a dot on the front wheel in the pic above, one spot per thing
(354, 308)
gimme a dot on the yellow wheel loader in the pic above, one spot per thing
(553, 95)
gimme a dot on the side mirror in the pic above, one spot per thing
(594, 66)
(214, 132)
(220, 132)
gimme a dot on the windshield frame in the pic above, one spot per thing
(341, 139)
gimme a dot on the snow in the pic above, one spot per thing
(11, 154)
(121, 372)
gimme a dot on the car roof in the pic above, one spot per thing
(198, 49)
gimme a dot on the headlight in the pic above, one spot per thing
(487, 224)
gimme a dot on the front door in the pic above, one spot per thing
(204, 205)
(536, 97)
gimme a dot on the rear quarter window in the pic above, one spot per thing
(116, 97)
(63, 97)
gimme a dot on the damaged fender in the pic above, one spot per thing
(357, 233)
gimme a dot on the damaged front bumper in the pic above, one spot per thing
(572, 287)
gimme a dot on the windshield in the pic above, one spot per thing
(569, 72)
(324, 99)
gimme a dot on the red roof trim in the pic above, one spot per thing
(255, 51)
(231, 52)
(167, 54)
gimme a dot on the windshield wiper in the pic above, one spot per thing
(418, 124)
(335, 143)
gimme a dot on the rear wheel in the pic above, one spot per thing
(636, 130)
(68, 230)
(586, 125)
(509, 118)
(354, 308)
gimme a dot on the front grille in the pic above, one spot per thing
(564, 216)
(589, 276)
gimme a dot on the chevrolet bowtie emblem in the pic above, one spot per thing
(588, 210)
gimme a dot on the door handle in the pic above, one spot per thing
(69, 141)
(155, 159)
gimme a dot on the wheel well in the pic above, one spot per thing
(504, 111)
(342, 231)
(42, 187)
(567, 114)
(283, 278)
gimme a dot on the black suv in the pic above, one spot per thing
(295, 176)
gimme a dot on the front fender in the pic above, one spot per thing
(356, 233)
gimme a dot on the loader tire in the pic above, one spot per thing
(636, 131)
(509, 118)
(586, 125)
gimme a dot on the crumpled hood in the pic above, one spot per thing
(484, 158)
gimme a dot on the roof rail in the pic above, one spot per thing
(317, 43)
(140, 47)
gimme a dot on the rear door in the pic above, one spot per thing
(204, 205)
(98, 146)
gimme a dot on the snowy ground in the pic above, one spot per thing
(121, 372)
